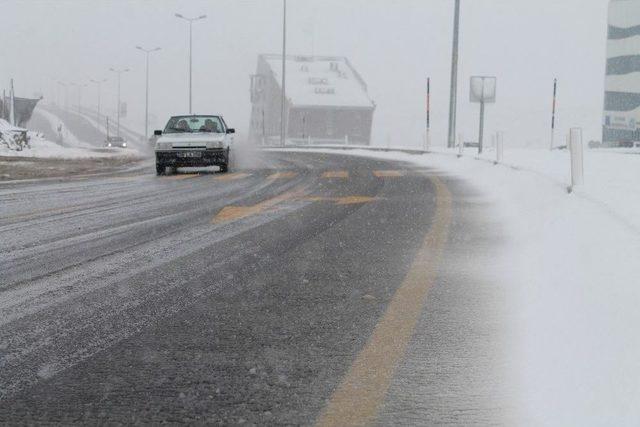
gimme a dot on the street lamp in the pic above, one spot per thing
(284, 74)
(99, 84)
(146, 105)
(118, 72)
(454, 78)
(190, 20)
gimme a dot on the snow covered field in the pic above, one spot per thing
(572, 262)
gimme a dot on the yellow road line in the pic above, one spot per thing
(354, 200)
(233, 213)
(282, 175)
(336, 174)
(389, 173)
(345, 200)
(231, 176)
(358, 397)
(182, 176)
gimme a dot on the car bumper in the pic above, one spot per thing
(184, 158)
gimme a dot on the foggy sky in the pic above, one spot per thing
(394, 44)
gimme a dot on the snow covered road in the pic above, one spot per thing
(297, 289)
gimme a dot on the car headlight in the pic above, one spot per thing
(163, 146)
(124, 144)
(214, 144)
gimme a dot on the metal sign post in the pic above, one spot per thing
(483, 90)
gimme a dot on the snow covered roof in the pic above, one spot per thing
(321, 81)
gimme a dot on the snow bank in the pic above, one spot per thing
(42, 148)
(68, 137)
(572, 265)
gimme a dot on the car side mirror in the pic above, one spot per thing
(157, 132)
(231, 130)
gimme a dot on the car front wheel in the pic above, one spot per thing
(159, 168)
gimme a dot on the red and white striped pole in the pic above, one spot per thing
(427, 141)
(553, 112)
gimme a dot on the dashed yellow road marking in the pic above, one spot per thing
(356, 400)
(282, 175)
(182, 176)
(336, 174)
(354, 200)
(346, 200)
(231, 176)
(389, 173)
(186, 176)
(233, 213)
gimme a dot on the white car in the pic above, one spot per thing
(196, 140)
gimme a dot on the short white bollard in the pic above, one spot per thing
(460, 145)
(577, 158)
(499, 147)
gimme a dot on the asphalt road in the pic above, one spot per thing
(300, 289)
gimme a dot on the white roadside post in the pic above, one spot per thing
(460, 145)
(499, 147)
(577, 158)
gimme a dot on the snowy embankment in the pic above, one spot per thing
(571, 261)
(71, 147)
(70, 140)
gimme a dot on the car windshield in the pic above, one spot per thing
(181, 124)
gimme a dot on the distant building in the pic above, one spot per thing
(622, 84)
(326, 101)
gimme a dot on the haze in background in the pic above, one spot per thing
(394, 44)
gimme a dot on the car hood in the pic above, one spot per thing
(191, 138)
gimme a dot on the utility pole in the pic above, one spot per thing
(481, 131)
(146, 104)
(451, 142)
(118, 72)
(12, 106)
(553, 112)
(190, 21)
(284, 74)
(99, 84)
(428, 136)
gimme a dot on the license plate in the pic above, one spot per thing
(190, 154)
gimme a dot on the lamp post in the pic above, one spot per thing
(190, 21)
(284, 74)
(119, 73)
(99, 85)
(146, 104)
(454, 78)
